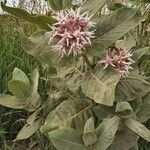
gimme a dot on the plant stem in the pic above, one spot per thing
(87, 61)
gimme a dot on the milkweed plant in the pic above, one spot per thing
(99, 96)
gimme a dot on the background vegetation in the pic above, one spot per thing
(12, 55)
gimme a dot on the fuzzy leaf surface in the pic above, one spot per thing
(20, 75)
(11, 102)
(67, 138)
(89, 136)
(138, 128)
(113, 27)
(93, 7)
(70, 113)
(42, 21)
(39, 48)
(106, 132)
(28, 130)
(130, 88)
(124, 140)
(19, 89)
(100, 85)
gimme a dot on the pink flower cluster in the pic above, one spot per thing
(71, 31)
(119, 59)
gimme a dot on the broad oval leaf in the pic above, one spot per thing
(71, 113)
(42, 21)
(12, 102)
(89, 125)
(114, 5)
(135, 147)
(100, 85)
(130, 88)
(113, 27)
(18, 74)
(39, 48)
(106, 132)
(28, 130)
(89, 136)
(92, 7)
(123, 109)
(124, 140)
(127, 43)
(138, 128)
(143, 113)
(32, 118)
(19, 89)
(68, 139)
(102, 111)
(142, 51)
(67, 4)
(72, 76)
(34, 98)
(56, 4)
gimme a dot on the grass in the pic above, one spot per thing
(13, 55)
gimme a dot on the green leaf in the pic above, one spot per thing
(19, 89)
(12, 102)
(113, 27)
(39, 48)
(102, 111)
(68, 139)
(144, 112)
(28, 130)
(140, 1)
(114, 5)
(135, 104)
(130, 88)
(32, 118)
(35, 80)
(55, 98)
(127, 43)
(70, 113)
(138, 128)
(20, 75)
(106, 132)
(56, 4)
(34, 98)
(123, 109)
(41, 20)
(142, 51)
(89, 136)
(92, 7)
(67, 4)
(124, 140)
(72, 76)
(57, 83)
(146, 1)
(144, 63)
(89, 125)
(60, 4)
(116, 19)
(100, 85)
(135, 147)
